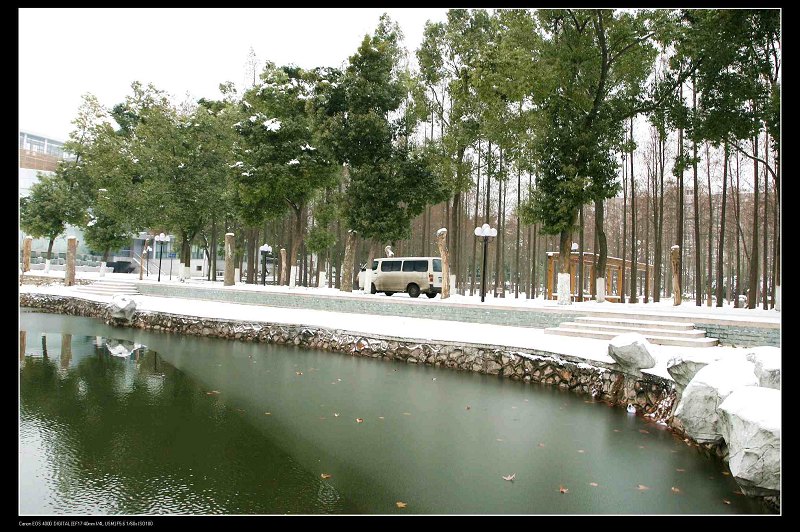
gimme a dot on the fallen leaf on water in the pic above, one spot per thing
(562, 489)
(401, 504)
(433, 379)
(581, 451)
(338, 380)
(325, 475)
(267, 413)
(380, 417)
(213, 392)
(680, 470)
(526, 400)
(336, 414)
(644, 431)
(322, 417)
(641, 447)
(593, 484)
(513, 408)
(510, 477)
(541, 444)
(726, 473)
(406, 413)
(675, 490)
(726, 501)
(499, 439)
(359, 420)
(737, 492)
(298, 372)
(468, 407)
(641, 487)
(617, 430)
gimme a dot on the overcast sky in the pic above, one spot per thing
(64, 53)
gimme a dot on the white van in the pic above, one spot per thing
(415, 275)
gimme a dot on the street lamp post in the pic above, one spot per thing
(487, 233)
(266, 248)
(161, 239)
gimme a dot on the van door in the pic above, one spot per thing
(391, 276)
(415, 271)
(436, 271)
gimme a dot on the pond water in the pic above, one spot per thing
(186, 425)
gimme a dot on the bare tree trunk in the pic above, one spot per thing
(50, 248)
(698, 277)
(752, 284)
(602, 243)
(647, 238)
(475, 240)
(297, 237)
(776, 240)
(710, 261)
(679, 203)
(765, 269)
(565, 251)
(502, 243)
(349, 259)
(624, 222)
(676, 274)
(737, 213)
(580, 258)
(251, 245)
(721, 245)
(284, 268)
(516, 261)
(634, 296)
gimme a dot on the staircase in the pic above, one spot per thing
(108, 287)
(656, 331)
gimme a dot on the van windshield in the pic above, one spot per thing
(437, 265)
(374, 264)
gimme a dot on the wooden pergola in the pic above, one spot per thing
(614, 266)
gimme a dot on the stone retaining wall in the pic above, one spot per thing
(651, 394)
(41, 280)
(728, 334)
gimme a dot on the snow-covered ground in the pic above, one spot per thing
(404, 327)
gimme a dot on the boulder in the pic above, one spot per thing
(121, 307)
(696, 412)
(750, 422)
(631, 352)
(683, 368)
(768, 366)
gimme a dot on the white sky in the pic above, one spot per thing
(64, 53)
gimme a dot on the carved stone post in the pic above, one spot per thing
(230, 244)
(69, 270)
(441, 241)
(26, 253)
(675, 257)
(284, 273)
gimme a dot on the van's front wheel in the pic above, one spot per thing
(413, 290)
(430, 295)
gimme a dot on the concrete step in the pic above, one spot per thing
(652, 338)
(110, 288)
(620, 329)
(644, 324)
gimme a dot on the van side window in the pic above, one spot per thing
(374, 264)
(437, 265)
(391, 265)
(415, 266)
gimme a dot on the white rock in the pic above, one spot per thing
(564, 297)
(631, 351)
(697, 409)
(683, 368)
(768, 366)
(750, 421)
(122, 307)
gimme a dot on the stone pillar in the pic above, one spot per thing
(441, 242)
(143, 264)
(26, 253)
(564, 297)
(675, 256)
(229, 258)
(600, 289)
(292, 276)
(284, 273)
(69, 273)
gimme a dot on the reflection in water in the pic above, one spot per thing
(66, 350)
(209, 426)
(22, 338)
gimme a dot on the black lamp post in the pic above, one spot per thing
(161, 239)
(265, 249)
(486, 233)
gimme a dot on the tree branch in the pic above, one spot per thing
(754, 158)
(616, 56)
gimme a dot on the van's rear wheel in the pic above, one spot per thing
(413, 290)
(430, 295)
(373, 290)
(388, 293)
